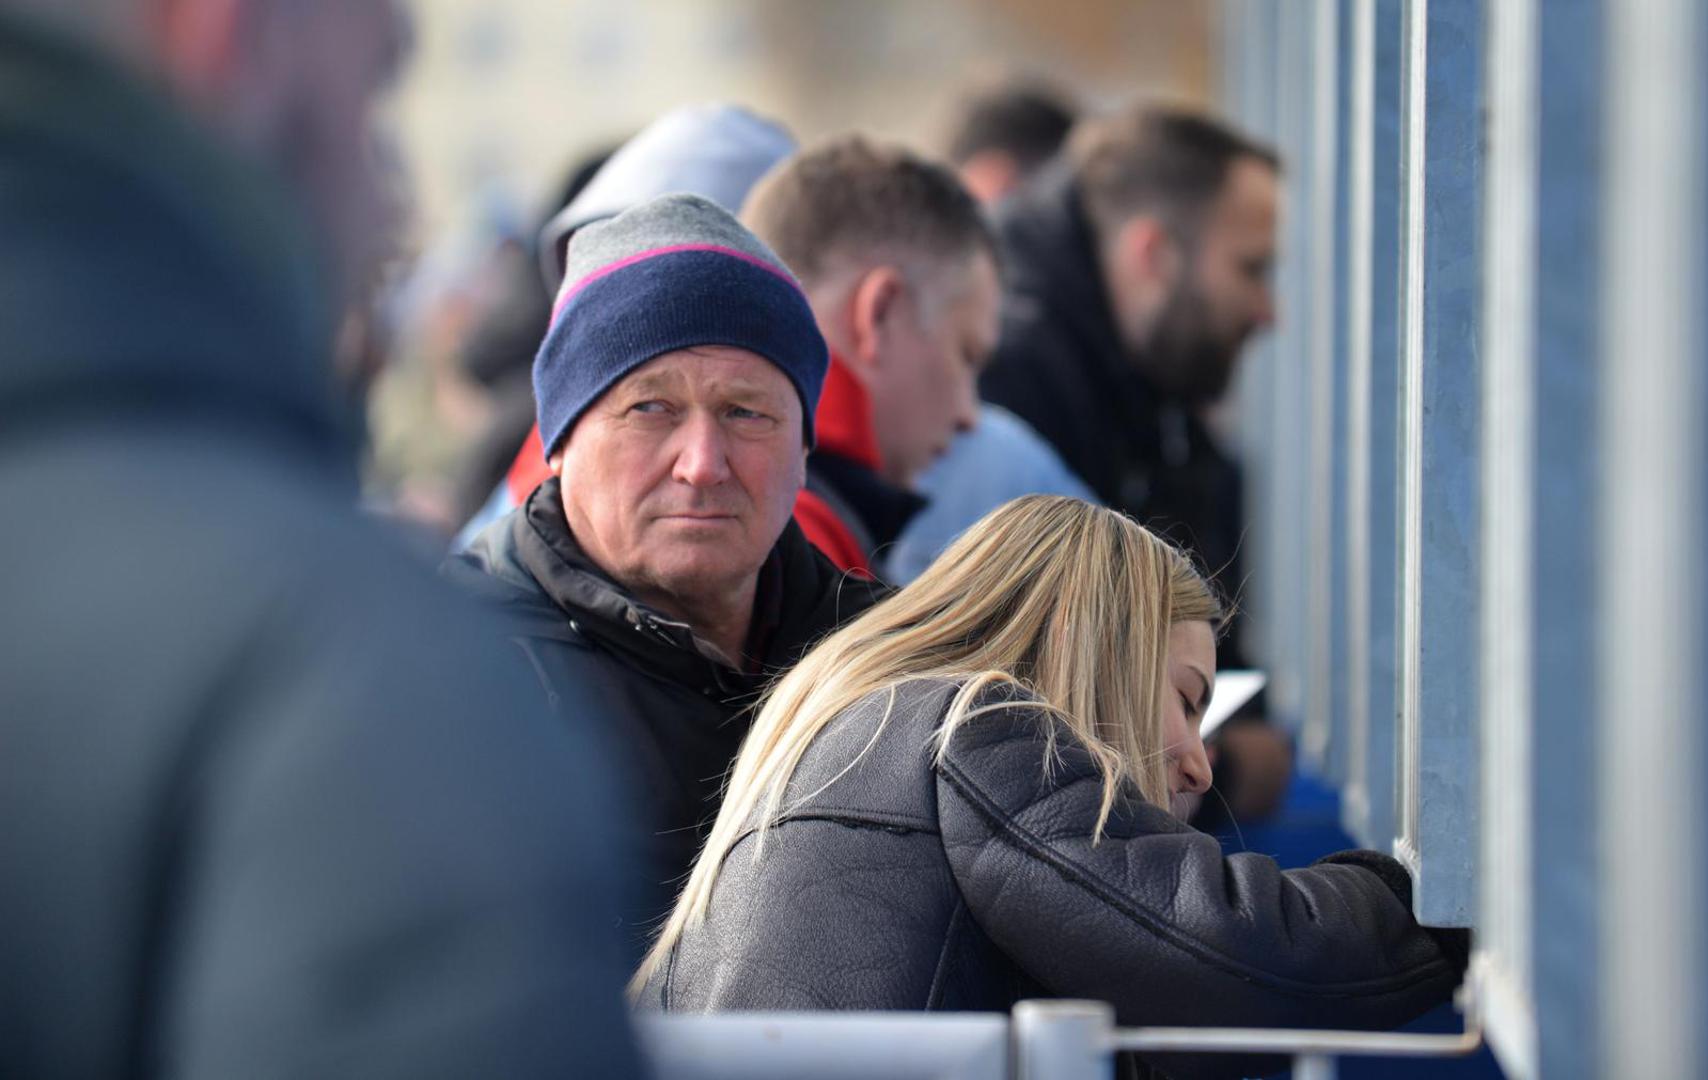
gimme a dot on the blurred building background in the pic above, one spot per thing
(504, 97)
(503, 94)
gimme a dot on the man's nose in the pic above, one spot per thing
(1195, 772)
(967, 418)
(1264, 317)
(702, 452)
(967, 410)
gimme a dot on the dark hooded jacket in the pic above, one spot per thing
(679, 709)
(1060, 366)
(898, 881)
(274, 803)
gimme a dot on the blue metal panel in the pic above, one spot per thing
(1440, 463)
(1563, 692)
(1374, 821)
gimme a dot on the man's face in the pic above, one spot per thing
(924, 384)
(679, 480)
(1222, 296)
(315, 72)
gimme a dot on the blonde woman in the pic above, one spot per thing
(961, 799)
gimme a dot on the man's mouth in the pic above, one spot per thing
(697, 515)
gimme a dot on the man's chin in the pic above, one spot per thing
(691, 567)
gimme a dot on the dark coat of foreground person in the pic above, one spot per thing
(678, 712)
(275, 802)
(973, 884)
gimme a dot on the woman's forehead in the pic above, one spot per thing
(1192, 642)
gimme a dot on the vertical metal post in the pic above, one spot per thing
(1063, 1040)
(1314, 1067)
(1652, 515)
(1372, 343)
(1509, 476)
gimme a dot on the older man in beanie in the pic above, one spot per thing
(676, 389)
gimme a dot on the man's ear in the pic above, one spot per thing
(199, 43)
(1149, 253)
(873, 305)
(554, 461)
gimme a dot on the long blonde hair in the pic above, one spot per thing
(1069, 601)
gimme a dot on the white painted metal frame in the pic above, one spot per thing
(1318, 363)
(1504, 970)
(1372, 345)
(1653, 540)
(1044, 1040)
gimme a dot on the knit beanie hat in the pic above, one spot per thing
(672, 273)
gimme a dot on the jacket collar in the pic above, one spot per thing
(847, 460)
(144, 262)
(531, 556)
(844, 420)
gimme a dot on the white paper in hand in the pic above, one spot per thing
(1234, 687)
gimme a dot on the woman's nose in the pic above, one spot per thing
(1194, 766)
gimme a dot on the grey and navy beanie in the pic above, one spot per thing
(672, 273)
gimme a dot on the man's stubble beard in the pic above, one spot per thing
(1184, 357)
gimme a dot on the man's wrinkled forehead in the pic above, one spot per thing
(725, 374)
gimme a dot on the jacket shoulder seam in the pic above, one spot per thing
(863, 818)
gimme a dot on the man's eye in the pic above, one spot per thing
(738, 412)
(647, 407)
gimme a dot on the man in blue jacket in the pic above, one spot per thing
(275, 802)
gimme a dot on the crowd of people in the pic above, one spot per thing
(836, 633)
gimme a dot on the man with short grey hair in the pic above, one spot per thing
(901, 270)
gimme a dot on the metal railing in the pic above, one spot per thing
(1042, 1040)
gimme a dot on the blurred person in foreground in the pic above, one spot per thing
(963, 799)
(276, 804)
(659, 564)
(901, 271)
(713, 150)
(1138, 268)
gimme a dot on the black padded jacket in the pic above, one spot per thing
(676, 712)
(897, 882)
